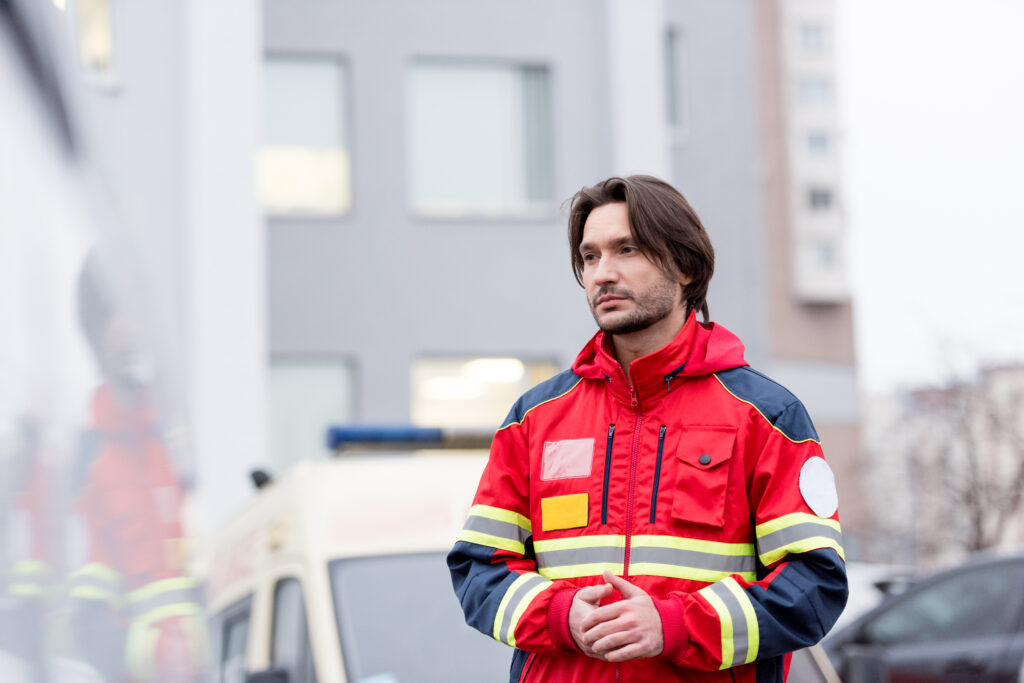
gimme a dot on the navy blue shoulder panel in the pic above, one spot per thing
(774, 401)
(558, 385)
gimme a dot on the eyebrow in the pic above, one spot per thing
(618, 242)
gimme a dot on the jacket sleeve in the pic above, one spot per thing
(803, 588)
(493, 566)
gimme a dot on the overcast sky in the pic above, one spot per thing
(933, 118)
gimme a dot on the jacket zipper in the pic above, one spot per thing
(607, 474)
(657, 472)
(634, 456)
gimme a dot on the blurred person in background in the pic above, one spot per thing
(660, 511)
(136, 613)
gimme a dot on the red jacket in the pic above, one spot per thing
(703, 483)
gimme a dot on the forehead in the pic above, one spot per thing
(606, 223)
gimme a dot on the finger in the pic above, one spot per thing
(626, 652)
(627, 589)
(594, 594)
(601, 615)
(612, 641)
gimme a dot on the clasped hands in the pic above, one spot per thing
(628, 629)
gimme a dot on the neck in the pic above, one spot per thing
(629, 347)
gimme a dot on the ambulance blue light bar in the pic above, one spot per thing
(404, 437)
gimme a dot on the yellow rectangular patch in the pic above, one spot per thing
(564, 512)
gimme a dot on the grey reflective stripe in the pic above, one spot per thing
(494, 527)
(692, 558)
(792, 534)
(562, 558)
(740, 637)
(174, 596)
(513, 604)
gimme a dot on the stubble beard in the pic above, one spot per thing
(650, 307)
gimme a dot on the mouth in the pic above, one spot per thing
(606, 300)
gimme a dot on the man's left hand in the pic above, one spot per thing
(628, 629)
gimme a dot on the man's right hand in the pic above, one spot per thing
(584, 602)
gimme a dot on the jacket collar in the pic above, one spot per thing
(698, 349)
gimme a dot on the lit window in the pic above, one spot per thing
(819, 198)
(95, 35)
(304, 165)
(479, 138)
(674, 80)
(818, 143)
(814, 91)
(812, 37)
(306, 397)
(471, 392)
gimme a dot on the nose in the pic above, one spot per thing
(605, 271)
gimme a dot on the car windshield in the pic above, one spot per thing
(400, 622)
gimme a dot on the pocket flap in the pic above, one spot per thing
(706, 447)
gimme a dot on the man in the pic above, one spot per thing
(660, 512)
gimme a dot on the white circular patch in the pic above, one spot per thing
(818, 487)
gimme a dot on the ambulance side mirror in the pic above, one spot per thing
(268, 676)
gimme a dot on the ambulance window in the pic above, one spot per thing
(291, 649)
(234, 634)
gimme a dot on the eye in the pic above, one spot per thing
(590, 258)
(630, 249)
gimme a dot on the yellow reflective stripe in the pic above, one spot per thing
(501, 515)
(492, 541)
(797, 533)
(803, 546)
(725, 621)
(573, 571)
(161, 586)
(575, 542)
(695, 544)
(93, 593)
(182, 609)
(31, 567)
(26, 590)
(100, 571)
(688, 573)
(793, 519)
(753, 633)
(523, 604)
(520, 593)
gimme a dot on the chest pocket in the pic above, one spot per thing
(704, 456)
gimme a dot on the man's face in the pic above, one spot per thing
(627, 292)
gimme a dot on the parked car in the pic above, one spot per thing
(962, 624)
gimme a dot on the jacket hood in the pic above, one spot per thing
(699, 349)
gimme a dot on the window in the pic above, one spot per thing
(307, 395)
(471, 392)
(814, 91)
(819, 199)
(818, 143)
(234, 635)
(479, 139)
(304, 164)
(95, 35)
(675, 98)
(812, 37)
(435, 644)
(290, 646)
(967, 605)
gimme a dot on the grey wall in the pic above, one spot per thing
(716, 164)
(381, 286)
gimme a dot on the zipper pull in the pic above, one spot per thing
(634, 398)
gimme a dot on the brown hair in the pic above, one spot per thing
(666, 229)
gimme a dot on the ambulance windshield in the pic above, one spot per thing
(400, 622)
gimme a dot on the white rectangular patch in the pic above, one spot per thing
(568, 459)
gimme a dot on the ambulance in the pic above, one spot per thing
(335, 572)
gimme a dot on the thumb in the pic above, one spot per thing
(627, 589)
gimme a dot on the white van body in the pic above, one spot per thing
(295, 537)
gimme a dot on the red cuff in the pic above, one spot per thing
(673, 632)
(558, 620)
